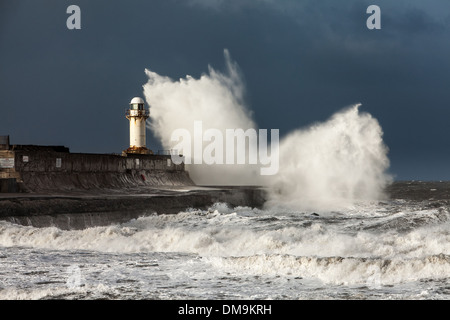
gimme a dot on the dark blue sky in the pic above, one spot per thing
(302, 61)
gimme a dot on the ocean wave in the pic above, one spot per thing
(372, 272)
(211, 233)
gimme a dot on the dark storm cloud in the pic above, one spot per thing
(302, 61)
(399, 73)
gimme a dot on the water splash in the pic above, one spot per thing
(331, 165)
(216, 99)
(327, 166)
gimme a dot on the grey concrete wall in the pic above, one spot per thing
(8, 176)
(43, 170)
(41, 161)
(86, 210)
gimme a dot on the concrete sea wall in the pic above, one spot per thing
(79, 211)
(49, 186)
(45, 169)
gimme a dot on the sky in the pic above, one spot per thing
(301, 62)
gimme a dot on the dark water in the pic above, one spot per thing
(391, 249)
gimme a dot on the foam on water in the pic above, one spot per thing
(232, 234)
(192, 252)
(334, 249)
(340, 270)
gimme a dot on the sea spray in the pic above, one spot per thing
(331, 165)
(327, 166)
(216, 99)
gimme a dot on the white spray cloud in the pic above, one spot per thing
(332, 164)
(327, 166)
(216, 99)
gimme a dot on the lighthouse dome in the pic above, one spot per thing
(137, 100)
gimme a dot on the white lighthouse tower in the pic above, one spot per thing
(137, 114)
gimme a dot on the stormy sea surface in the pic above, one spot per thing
(393, 249)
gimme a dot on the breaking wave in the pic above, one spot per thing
(327, 166)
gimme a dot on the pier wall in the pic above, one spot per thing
(90, 210)
(36, 169)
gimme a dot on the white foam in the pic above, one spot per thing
(211, 233)
(56, 292)
(337, 270)
(240, 242)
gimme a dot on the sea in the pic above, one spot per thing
(395, 249)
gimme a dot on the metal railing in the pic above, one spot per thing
(137, 113)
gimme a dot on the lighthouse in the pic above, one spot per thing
(137, 115)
